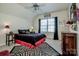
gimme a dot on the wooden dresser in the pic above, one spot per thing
(69, 44)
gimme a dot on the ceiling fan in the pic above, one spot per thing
(33, 6)
(36, 6)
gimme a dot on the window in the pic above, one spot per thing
(44, 25)
(51, 25)
(47, 25)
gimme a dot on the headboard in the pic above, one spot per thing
(23, 31)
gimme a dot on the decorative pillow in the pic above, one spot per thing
(23, 31)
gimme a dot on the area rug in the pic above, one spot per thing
(43, 50)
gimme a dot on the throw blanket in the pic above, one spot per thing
(30, 38)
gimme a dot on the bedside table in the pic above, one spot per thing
(10, 38)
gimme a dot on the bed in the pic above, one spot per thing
(31, 40)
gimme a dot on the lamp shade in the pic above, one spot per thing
(69, 22)
(7, 26)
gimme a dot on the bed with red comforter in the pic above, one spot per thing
(30, 40)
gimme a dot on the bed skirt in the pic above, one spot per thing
(30, 45)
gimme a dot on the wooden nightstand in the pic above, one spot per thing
(10, 38)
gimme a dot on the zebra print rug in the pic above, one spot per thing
(43, 50)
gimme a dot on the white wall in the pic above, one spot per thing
(15, 24)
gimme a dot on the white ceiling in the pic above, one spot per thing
(25, 10)
(46, 7)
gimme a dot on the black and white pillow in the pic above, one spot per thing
(23, 31)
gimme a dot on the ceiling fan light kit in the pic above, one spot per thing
(36, 6)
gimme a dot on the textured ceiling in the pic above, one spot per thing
(25, 10)
(46, 7)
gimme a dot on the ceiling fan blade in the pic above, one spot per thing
(40, 4)
(31, 5)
